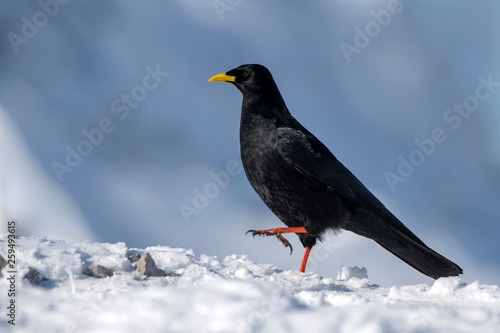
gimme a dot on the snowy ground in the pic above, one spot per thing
(224, 295)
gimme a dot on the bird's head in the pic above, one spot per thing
(250, 78)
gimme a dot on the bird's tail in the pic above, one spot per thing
(421, 257)
(414, 252)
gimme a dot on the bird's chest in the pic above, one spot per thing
(274, 179)
(261, 159)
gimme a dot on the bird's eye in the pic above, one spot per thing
(246, 74)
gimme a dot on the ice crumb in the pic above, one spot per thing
(347, 273)
(445, 286)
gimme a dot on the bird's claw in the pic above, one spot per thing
(285, 242)
(252, 231)
(280, 237)
(260, 233)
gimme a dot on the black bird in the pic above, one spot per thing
(306, 187)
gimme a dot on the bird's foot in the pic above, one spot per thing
(278, 233)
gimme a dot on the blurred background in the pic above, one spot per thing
(109, 130)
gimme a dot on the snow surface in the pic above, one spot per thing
(232, 294)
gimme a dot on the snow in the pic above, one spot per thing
(232, 294)
(347, 272)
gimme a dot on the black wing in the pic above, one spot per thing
(309, 156)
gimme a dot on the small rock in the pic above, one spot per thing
(35, 277)
(146, 266)
(134, 257)
(3, 263)
(98, 271)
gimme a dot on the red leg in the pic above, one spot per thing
(302, 268)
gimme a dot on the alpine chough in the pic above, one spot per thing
(306, 187)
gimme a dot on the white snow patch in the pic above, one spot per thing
(229, 295)
(445, 286)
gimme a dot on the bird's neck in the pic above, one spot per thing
(266, 105)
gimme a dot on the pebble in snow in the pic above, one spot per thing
(35, 277)
(146, 266)
(98, 271)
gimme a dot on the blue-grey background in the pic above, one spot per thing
(64, 79)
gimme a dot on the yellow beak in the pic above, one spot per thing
(222, 77)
